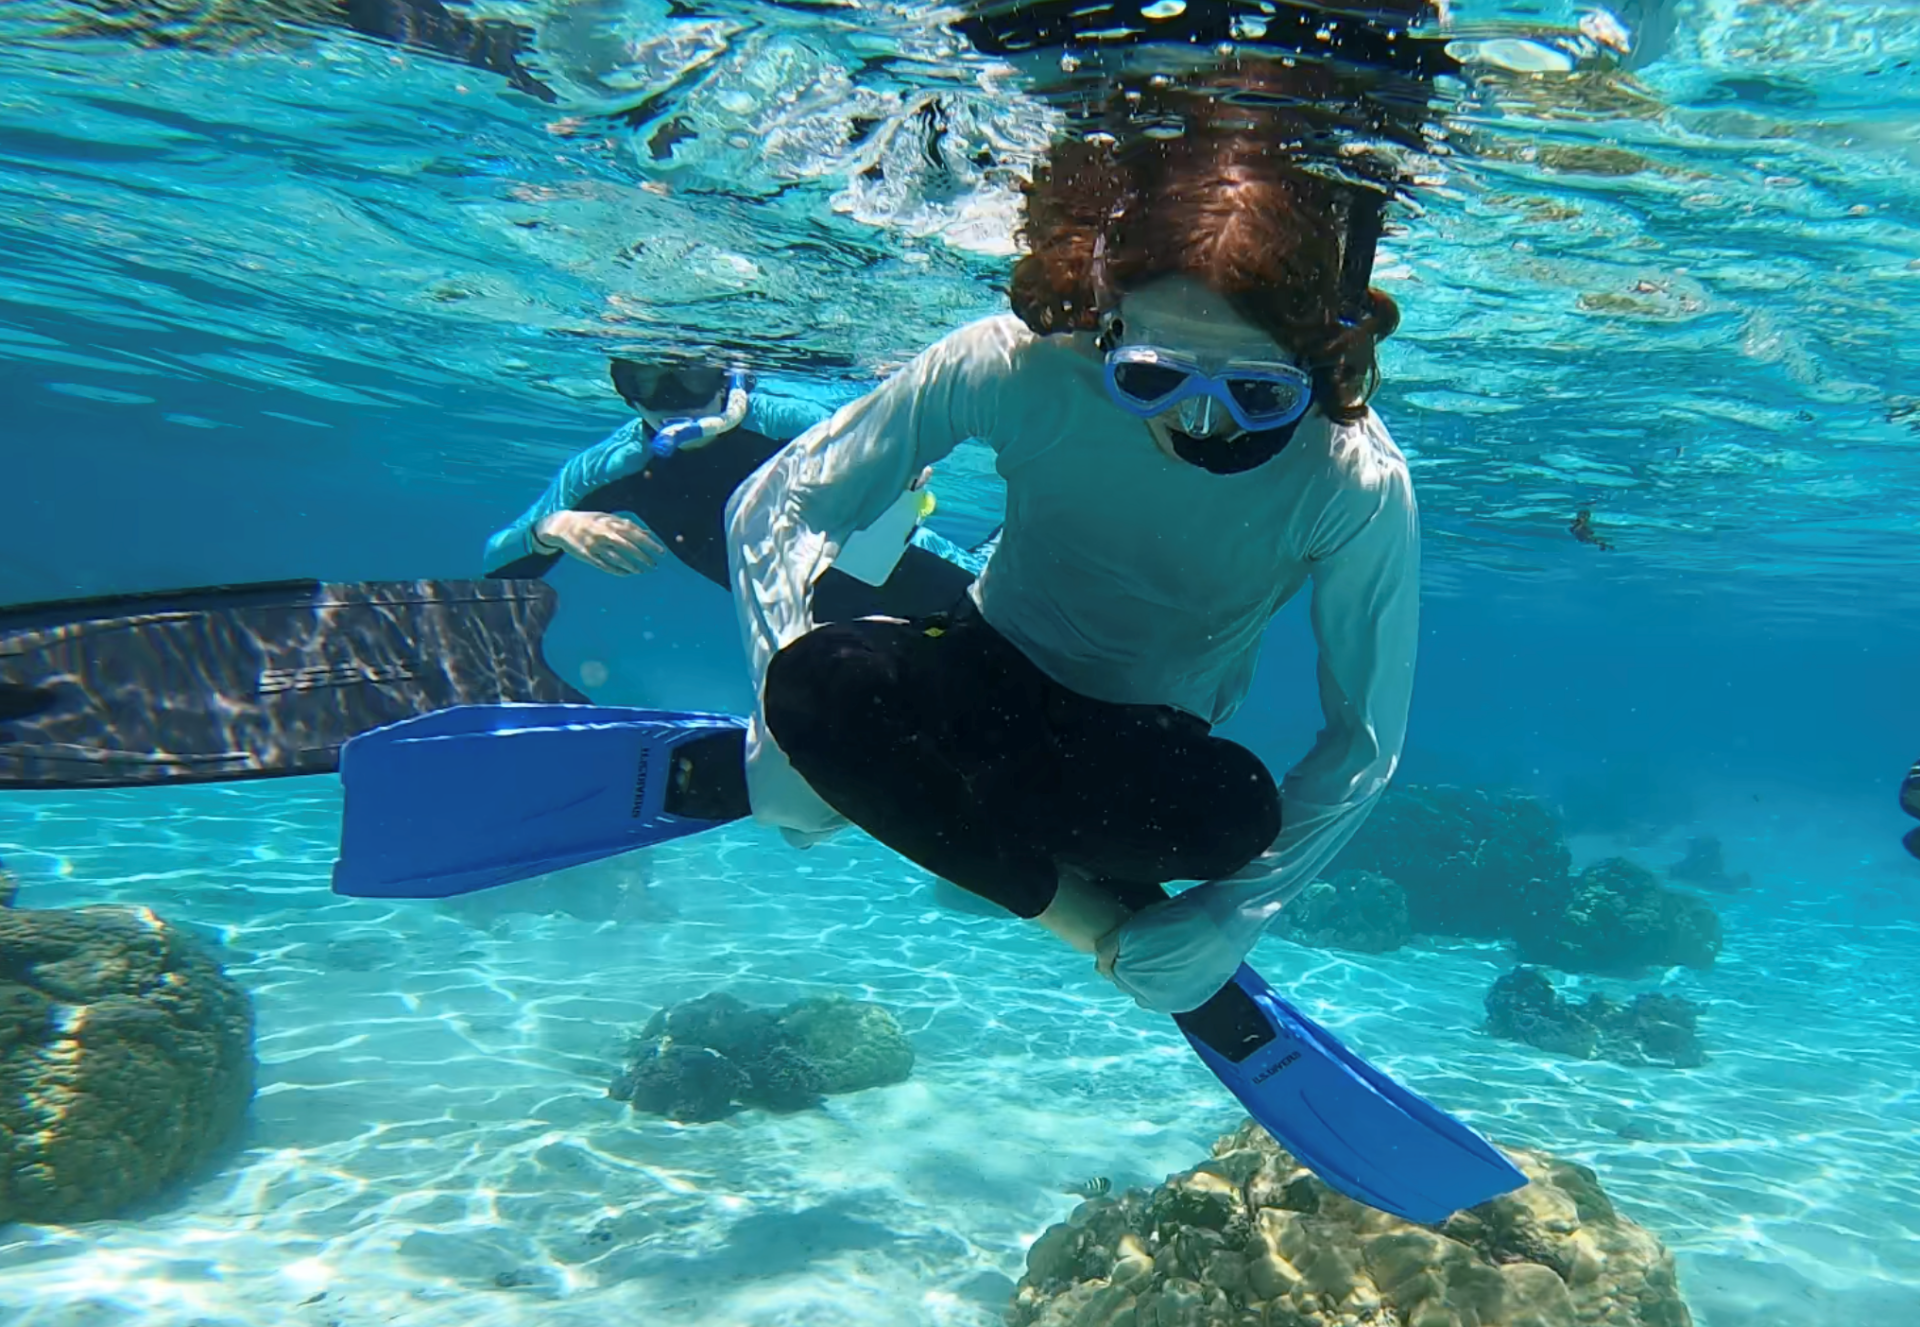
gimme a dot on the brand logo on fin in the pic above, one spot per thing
(316, 676)
(1272, 1069)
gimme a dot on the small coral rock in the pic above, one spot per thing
(1250, 1239)
(854, 1044)
(1523, 1006)
(126, 1061)
(1469, 860)
(1664, 1027)
(695, 1060)
(1617, 919)
(719, 1021)
(691, 1084)
(1654, 1029)
(783, 1080)
(1356, 910)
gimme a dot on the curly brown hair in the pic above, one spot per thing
(1222, 203)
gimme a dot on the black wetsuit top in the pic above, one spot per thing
(682, 499)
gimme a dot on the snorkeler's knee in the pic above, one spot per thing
(832, 676)
(1249, 803)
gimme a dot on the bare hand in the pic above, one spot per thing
(612, 544)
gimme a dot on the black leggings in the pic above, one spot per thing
(943, 741)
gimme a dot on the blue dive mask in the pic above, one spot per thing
(1258, 396)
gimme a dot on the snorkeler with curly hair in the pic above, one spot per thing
(1178, 405)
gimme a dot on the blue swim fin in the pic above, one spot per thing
(481, 795)
(1361, 1132)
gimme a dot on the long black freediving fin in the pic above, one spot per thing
(253, 681)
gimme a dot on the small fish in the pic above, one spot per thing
(1097, 1187)
(1582, 528)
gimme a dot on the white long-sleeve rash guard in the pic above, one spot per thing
(1126, 576)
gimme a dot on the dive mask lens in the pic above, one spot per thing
(689, 389)
(670, 391)
(1147, 384)
(1268, 400)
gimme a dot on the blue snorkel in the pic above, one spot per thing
(671, 436)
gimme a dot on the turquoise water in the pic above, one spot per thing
(280, 301)
(433, 1114)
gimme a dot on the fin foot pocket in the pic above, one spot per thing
(1231, 1024)
(710, 777)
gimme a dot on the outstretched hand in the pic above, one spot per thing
(610, 543)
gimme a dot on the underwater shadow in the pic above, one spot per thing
(774, 1244)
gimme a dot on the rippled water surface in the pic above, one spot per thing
(1682, 294)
